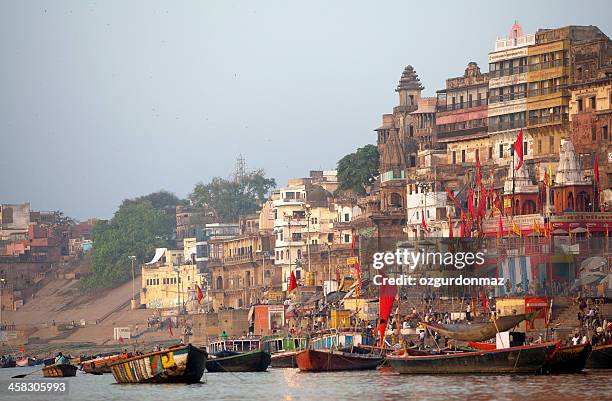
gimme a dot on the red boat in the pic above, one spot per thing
(326, 360)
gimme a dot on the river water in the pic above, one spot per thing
(290, 384)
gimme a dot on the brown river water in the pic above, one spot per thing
(290, 384)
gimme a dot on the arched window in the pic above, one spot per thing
(570, 201)
(396, 200)
(219, 283)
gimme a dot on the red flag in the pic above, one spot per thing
(385, 305)
(292, 282)
(462, 230)
(450, 227)
(479, 177)
(470, 201)
(518, 149)
(596, 171)
(200, 295)
(450, 195)
(482, 202)
(423, 223)
(170, 327)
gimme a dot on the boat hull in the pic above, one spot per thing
(65, 370)
(568, 359)
(183, 364)
(25, 362)
(284, 360)
(253, 361)
(101, 365)
(600, 357)
(527, 359)
(9, 364)
(328, 361)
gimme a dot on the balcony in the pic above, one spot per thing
(507, 97)
(506, 125)
(544, 91)
(504, 72)
(461, 106)
(547, 64)
(547, 119)
(459, 132)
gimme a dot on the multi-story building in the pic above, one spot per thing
(425, 203)
(168, 281)
(590, 107)
(242, 269)
(507, 111)
(549, 73)
(461, 117)
(191, 218)
(302, 216)
(14, 221)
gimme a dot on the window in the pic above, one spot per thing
(347, 238)
(539, 146)
(454, 157)
(592, 103)
(412, 161)
(551, 144)
(417, 214)
(604, 132)
(346, 217)
(463, 156)
(490, 152)
(593, 134)
(501, 151)
(579, 73)
(579, 101)
(524, 148)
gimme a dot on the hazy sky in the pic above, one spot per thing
(105, 100)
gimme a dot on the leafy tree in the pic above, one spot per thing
(231, 199)
(137, 228)
(357, 171)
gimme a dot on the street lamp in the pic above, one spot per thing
(133, 258)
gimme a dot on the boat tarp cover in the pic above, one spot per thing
(479, 331)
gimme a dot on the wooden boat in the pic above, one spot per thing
(525, 359)
(600, 357)
(25, 361)
(568, 359)
(64, 370)
(327, 360)
(98, 366)
(229, 361)
(367, 349)
(183, 364)
(479, 331)
(283, 350)
(481, 346)
(9, 363)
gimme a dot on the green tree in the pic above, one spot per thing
(137, 228)
(357, 171)
(231, 199)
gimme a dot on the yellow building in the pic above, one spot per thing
(168, 282)
(548, 74)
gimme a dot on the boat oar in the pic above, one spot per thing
(27, 374)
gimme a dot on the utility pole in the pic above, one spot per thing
(133, 258)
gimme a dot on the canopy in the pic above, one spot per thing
(159, 252)
(480, 331)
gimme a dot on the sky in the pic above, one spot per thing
(107, 100)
